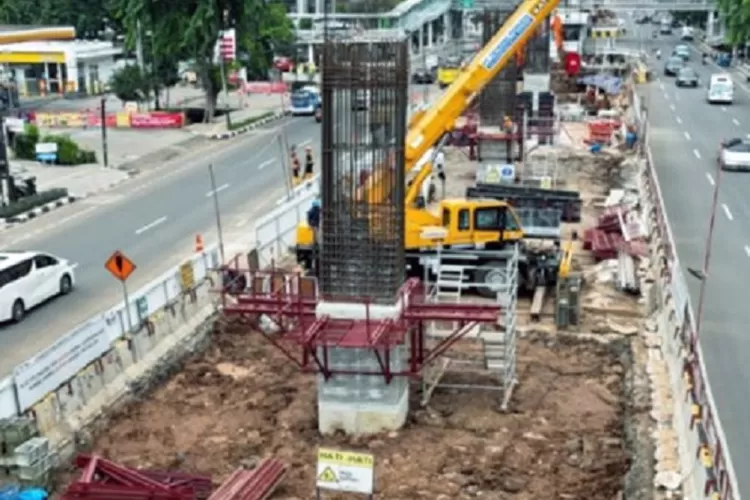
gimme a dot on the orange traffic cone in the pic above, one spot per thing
(198, 243)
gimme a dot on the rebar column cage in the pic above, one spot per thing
(485, 357)
(498, 98)
(365, 100)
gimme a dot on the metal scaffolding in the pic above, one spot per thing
(485, 357)
(365, 99)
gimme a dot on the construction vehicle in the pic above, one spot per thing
(448, 70)
(480, 230)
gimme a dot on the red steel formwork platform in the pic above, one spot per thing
(290, 300)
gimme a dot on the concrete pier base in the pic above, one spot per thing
(359, 403)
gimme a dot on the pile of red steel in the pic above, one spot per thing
(612, 233)
(602, 130)
(256, 484)
(102, 479)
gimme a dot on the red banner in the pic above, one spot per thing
(157, 119)
(265, 87)
(95, 119)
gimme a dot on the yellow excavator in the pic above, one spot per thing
(462, 223)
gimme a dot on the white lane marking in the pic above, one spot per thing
(736, 121)
(47, 228)
(747, 250)
(679, 120)
(672, 107)
(666, 96)
(218, 190)
(661, 86)
(266, 163)
(710, 179)
(727, 212)
(304, 143)
(687, 135)
(150, 225)
(697, 154)
(241, 223)
(724, 109)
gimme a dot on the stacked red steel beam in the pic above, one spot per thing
(256, 484)
(102, 479)
(606, 238)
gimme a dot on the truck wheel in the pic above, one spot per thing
(491, 279)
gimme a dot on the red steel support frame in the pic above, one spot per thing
(300, 329)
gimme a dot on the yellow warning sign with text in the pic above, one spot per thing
(345, 471)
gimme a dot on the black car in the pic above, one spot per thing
(673, 66)
(423, 76)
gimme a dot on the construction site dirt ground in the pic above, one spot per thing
(242, 400)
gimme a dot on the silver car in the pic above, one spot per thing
(735, 155)
(687, 77)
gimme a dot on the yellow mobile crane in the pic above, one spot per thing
(489, 224)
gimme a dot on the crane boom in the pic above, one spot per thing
(429, 126)
(493, 57)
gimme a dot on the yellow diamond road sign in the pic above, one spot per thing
(345, 471)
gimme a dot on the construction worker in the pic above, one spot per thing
(313, 215)
(508, 126)
(309, 162)
(295, 166)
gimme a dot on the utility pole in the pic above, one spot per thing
(105, 156)
(218, 212)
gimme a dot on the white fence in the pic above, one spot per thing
(275, 232)
(704, 451)
(35, 379)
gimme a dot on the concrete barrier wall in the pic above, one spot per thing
(72, 381)
(704, 451)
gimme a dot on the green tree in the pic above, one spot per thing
(736, 15)
(189, 29)
(131, 84)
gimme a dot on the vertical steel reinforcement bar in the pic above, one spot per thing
(365, 98)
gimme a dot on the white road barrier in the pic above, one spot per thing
(704, 451)
(81, 364)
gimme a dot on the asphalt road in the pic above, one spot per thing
(153, 220)
(685, 135)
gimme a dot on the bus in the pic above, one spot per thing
(720, 89)
(305, 101)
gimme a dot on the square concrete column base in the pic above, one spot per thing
(362, 419)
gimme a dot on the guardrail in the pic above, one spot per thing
(704, 452)
(78, 367)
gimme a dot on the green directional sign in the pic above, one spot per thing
(468, 4)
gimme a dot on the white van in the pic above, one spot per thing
(688, 34)
(720, 89)
(28, 279)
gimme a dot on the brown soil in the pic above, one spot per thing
(242, 401)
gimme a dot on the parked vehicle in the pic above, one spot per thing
(28, 279)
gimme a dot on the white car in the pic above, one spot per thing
(28, 279)
(735, 155)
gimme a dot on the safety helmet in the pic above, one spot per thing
(316, 203)
(308, 148)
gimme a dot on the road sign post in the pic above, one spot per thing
(121, 268)
(344, 471)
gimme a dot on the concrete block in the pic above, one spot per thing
(354, 418)
(47, 413)
(89, 382)
(124, 353)
(160, 325)
(142, 342)
(111, 365)
(69, 397)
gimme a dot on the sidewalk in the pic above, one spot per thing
(80, 181)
